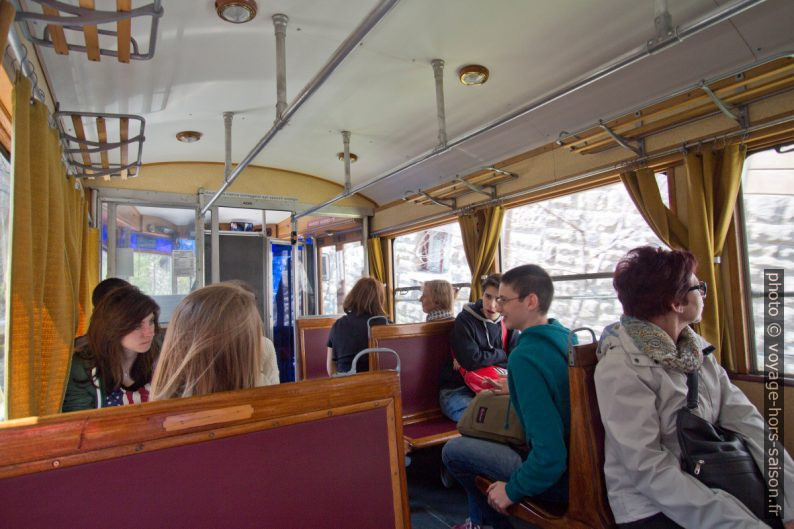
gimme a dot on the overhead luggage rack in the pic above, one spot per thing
(84, 29)
(729, 96)
(483, 182)
(97, 145)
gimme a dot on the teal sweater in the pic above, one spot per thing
(538, 380)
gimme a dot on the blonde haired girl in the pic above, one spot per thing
(213, 343)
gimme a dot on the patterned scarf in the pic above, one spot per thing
(439, 314)
(684, 356)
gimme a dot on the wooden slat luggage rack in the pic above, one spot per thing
(729, 95)
(68, 28)
(112, 138)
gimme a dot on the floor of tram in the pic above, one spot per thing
(432, 505)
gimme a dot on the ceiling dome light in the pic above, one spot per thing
(188, 136)
(353, 156)
(473, 74)
(236, 11)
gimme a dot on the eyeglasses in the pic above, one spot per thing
(501, 300)
(701, 286)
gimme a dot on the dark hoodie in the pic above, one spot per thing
(476, 342)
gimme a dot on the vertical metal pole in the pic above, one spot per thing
(280, 25)
(267, 279)
(227, 126)
(346, 142)
(438, 73)
(364, 241)
(294, 289)
(662, 20)
(112, 242)
(199, 230)
(215, 239)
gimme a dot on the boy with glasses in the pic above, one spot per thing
(538, 386)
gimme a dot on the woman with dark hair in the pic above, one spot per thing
(115, 365)
(641, 382)
(350, 333)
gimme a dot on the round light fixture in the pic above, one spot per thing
(353, 156)
(473, 74)
(188, 136)
(236, 11)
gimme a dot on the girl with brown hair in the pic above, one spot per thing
(350, 333)
(214, 342)
(114, 364)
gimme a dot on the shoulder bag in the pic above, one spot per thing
(490, 416)
(719, 458)
(476, 379)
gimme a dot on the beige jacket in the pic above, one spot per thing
(639, 400)
(269, 374)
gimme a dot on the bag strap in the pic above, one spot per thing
(692, 390)
(504, 335)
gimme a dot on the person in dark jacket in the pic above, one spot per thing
(350, 333)
(476, 342)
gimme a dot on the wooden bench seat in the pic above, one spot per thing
(423, 349)
(292, 455)
(313, 345)
(588, 507)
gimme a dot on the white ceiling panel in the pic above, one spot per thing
(384, 91)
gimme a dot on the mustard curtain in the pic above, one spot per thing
(713, 180)
(89, 272)
(643, 190)
(7, 12)
(47, 214)
(377, 267)
(481, 232)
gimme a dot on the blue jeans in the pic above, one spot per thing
(467, 457)
(453, 402)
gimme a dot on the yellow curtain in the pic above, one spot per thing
(89, 273)
(47, 214)
(643, 190)
(481, 232)
(713, 179)
(377, 267)
(7, 13)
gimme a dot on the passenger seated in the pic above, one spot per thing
(438, 297)
(641, 385)
(350, 333)
(213, 343)
(270, 371)
(538, 386)
(114, 365)
(105, 287)
(477, 340)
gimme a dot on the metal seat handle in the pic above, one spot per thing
(571, 351)
(367, 351)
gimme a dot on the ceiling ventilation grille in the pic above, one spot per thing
(68, 28)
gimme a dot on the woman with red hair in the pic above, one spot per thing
(641, 382)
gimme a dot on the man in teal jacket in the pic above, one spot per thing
(538, 386)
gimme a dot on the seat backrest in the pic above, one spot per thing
(587, 488)
(423, 348)
(256, 458)
(313, 345)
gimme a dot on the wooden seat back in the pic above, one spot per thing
(423, 348)
(257, 458)
(588, 506)
(313, 334)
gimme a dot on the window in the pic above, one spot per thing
(155, 251)
(578, 239)
(434, 253)
(340, 267)
(768, 203)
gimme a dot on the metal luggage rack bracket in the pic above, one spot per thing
(78, 144)
(58, 16)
